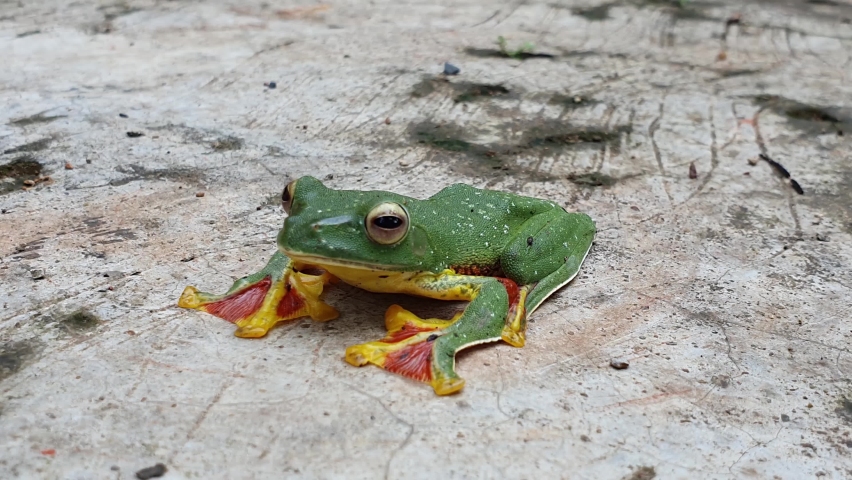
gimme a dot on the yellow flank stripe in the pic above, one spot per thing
(443, 286)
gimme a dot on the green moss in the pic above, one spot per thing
(20, 169)
(80, 320)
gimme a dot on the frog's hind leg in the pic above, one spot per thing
(425, 349)
(257, 302)
(557, 242)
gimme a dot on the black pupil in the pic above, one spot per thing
(387, 222)
(285, 196)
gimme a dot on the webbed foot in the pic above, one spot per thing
(257, 302)
(409, 349)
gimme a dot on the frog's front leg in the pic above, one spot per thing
(257, 302)
(425, 350)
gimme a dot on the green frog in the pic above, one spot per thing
(503, 253)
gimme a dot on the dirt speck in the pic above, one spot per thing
(618, 364)
(157, 470)
(642, 473)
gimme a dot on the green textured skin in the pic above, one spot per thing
(533, 242)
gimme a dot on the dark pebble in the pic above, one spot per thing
(135, 134)
(271, 84)
(122, 115)
(618, 364)
(450, 69)
(157, 470)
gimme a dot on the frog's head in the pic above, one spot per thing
(369, 229)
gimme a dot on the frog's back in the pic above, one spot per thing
(460, 192)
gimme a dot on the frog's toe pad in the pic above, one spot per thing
(513, 337)
(447, 386)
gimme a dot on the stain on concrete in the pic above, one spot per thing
(808, 118)
(13, 356)
(598, 13)
(35, 146)
(593, 179)
(678, 9)
(736, 72)
(845, 409)
(835, 200)
(116, 10)
(447, 137)
(537, 139)
(138, 172)
(571, 102)
(462, 92)
(227, 143)
(722, 381)
(28, 33)
(15, 173)
(80, 321)
(497, 53)
(556, 135)
(740, 217)
(473, 91)
(34, 119)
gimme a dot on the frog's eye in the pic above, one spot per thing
(287, 196)
(387, 223)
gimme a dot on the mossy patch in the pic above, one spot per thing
(138, 172)
(15, 173)
(80, 321)
(593, 179)
(461, 92)
(593, 14)
(469, 92)
(554, 135)
(571, 101)
(227, 143)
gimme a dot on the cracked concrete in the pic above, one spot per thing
(727, 293)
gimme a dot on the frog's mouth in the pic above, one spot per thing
(319, 261)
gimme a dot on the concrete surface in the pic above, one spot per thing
(728, 294)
